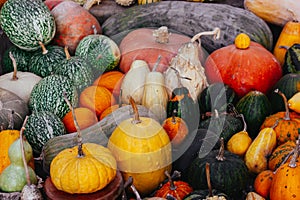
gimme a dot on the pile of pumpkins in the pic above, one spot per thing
(162, 119)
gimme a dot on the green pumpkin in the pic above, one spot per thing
(48, 95)
(15, 153)
(27, 22)
(216, 96)
(41, 127)
(185, 107)
(255, 106)
(44, 61)
(292, 59)
(288, 85)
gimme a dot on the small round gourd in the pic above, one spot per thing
(262, 182)
(242, 41)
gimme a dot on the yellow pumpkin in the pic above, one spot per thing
(86, 173)
(143, 151)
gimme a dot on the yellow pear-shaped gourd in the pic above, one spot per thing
(240, 142)
(294, 102)
(143, 151)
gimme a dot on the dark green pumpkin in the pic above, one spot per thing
(47, 95)
(292, 59)
(289, 85)
(255, 106)
(41, 127)
(228, 172)
(44, 60)
(22, 58)
(216, 96)
(77, 69)
(185, 107)
(225, 125)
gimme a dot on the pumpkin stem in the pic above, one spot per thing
(216, 33)
(207, 172)
(127, 184)
(89, 3)
(79, 138)
(94, 29)
(283, 47)
(170, 179)
(275, 124)
(220, 155)
(15, 77)
(44, 50)
(174, 116)
(287, 112)
(156, 64)
(244, 122)
(23, 152)
(161, 35)
(293, 162)
(66, 49)
(136, 193)
(180, 77)
(136, 119)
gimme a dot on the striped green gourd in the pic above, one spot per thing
(292, 59)
(27, 22)
(22, 58)
(101, 51)
(48, 95)
(255, 106)
(41, 127)
(77, 69)
(44, 60)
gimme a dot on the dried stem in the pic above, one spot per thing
(136, 118)
(172, 185)
(44, 50)
(220, 155)
(244, 122)
(23, 151)
(216, 33)
(156, 64)
(15, 77)
(66, 49)
(287, 111)
(207, 172)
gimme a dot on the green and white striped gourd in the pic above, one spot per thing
(22, 58)
(41, 127)
(48, 95)
(27, 22)
(77, 69)
(44, 61)
(101, 51)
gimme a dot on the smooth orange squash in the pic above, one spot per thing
(262, 182)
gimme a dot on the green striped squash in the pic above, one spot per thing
(47, 95)
(22, 58)
(44, 61)
(27, 22)
(292, 59)
(41, 127)
(101, 51)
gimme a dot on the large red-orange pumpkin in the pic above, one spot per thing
(244, 66)
(140, 44)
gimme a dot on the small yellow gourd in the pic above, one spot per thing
(261, 147)
(294, 102)
(240, 142)
(242, 41)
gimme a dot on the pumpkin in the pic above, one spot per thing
(73, 23)
(238, 65)
(289, 35)
(285, 181)
(142, 2)
(20, 83)
(280, 154)
(294, 102)
(254, 196)
(112, 80)
(84, 116)
(143, 150)
(176, 129)
(291, 59)
(2, 2)
(153, 42)
(178, 189)
(262, 182)
(96, 98)
(95, 159)
(11, 103)
(259, 150)
(288, 123)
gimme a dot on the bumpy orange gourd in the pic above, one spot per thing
(96, 98)
(84, 116)
(111, 80)
(262, 182)
(288, 123)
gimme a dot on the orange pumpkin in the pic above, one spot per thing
(2, 2)
(96, 98)
(289, 35)
(84, 116)
(111, 80)
(262, 183)
(288, 124)
(243, 67)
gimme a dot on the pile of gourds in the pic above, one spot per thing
(150, 108)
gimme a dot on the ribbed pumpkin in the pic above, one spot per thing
(243, 67)
(143, 150)
(96, 98)
(288, 123)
